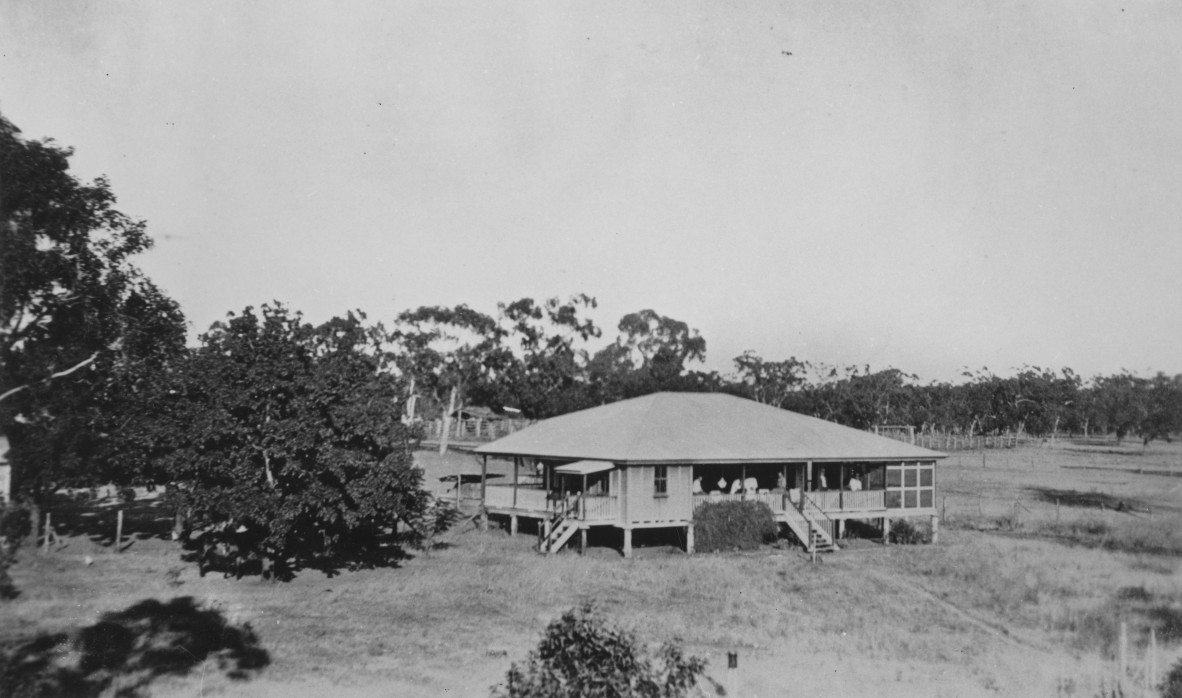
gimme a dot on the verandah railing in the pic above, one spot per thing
(774, 500)
(829, 501)
(845, 500)
(585, 507)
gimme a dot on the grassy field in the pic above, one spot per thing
(1042, 553)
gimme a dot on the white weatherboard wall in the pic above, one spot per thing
(643, 503)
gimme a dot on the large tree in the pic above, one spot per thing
(548, 375)
(451, 355)
(769, 382)
(650, 354)
(284, 442)
(79, 323)
(1164, 416)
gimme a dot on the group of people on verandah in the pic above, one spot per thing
(751, 485)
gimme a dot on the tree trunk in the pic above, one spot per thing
(445, 431)
(34, 524)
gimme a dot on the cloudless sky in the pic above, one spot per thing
(921, 185)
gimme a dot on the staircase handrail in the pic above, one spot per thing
(807, 502)
(562, 509)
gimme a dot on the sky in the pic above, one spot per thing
(928, 186)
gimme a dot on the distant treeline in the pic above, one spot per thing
(538, 358)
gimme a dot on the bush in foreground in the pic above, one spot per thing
(903, 532)
(733, 526)
(581, 655)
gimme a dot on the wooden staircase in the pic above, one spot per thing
(811, 526)
(560, 527)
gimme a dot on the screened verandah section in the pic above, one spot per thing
(835, 488)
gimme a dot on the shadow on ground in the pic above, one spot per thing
(125, 651)
(1086, 500)
(82, 515)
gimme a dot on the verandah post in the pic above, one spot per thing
(627, 542)
(689, 539)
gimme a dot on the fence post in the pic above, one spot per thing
(119, 531)
(732, 673)
(48, 529)
(1124, 653)
(1152, 684)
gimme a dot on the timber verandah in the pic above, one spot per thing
(648, 496)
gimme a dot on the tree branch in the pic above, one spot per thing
(59, 374)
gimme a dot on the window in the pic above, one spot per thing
(661, 480)
(910, 486)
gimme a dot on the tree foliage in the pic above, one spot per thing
(650, 355)
(769, 382)
(582, 656)
(284, 442)
(445, 349)
(79, 323)
(537, 357)
(548, 373)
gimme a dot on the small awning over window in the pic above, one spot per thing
(585, 467)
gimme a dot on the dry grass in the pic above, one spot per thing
(1011, 599)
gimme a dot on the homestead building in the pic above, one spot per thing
(651, 461)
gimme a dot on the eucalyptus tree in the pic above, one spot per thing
(650, 354)
(770, 382)
(550, 371)
(457, 352)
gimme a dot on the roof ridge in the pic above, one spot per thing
(640, 426)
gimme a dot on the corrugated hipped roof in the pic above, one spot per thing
(698, 428)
